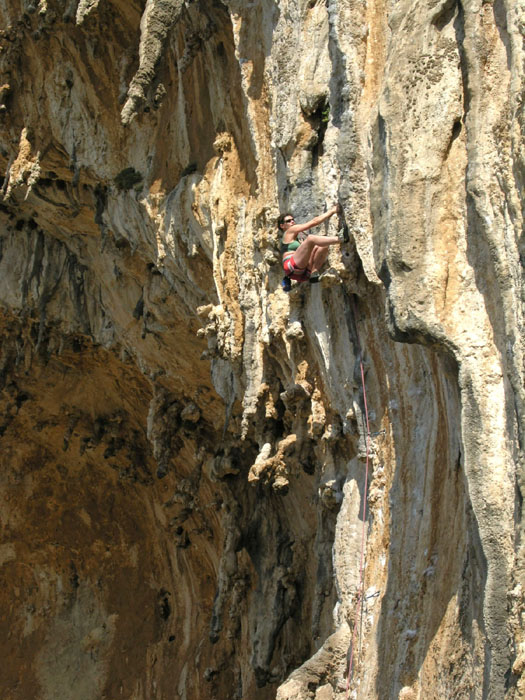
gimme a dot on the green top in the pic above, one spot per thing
(287, 247)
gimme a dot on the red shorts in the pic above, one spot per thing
(299, 274)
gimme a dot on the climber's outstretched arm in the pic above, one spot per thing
(293, 231)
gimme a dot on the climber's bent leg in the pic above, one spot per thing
(317, 259)
(303, 253)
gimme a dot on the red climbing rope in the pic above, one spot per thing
(365, 499)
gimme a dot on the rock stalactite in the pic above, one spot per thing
(183, 443)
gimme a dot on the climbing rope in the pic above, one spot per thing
(360, 593)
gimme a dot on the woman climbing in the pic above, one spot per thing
(302, 260)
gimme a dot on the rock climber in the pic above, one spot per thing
(303, 260)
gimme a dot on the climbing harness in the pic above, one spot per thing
(360, 593)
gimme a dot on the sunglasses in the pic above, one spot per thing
(288, 221)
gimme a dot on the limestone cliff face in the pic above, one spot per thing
(183, 444)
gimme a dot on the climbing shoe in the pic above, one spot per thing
(313, 279)
(286, 284)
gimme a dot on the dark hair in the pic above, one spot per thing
(282, 217)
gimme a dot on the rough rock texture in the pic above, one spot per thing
(183, 444)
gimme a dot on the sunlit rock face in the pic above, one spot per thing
(184, 445)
